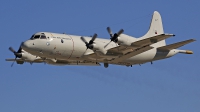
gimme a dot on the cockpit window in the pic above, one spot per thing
(37, 37)
(43, 37)
(32, 37)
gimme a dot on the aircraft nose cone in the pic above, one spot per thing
(25, 45)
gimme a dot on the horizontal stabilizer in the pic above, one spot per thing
(151, 40)
(176, 45)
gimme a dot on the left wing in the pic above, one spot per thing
(139, 44)
(21, 61)
(56, 62)
(151, 40)
(36, 60)
(120, 53)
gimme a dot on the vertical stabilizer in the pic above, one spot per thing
(156, 28)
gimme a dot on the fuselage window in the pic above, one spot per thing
(62, 41)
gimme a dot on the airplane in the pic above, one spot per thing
(121, 49)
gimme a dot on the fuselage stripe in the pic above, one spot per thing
(51, 35)
(73, 46)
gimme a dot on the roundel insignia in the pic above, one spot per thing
(48, 43)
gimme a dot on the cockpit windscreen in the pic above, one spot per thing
(36, 36)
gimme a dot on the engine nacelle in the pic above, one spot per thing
(98, 47)
(125, 40)
(28, 56)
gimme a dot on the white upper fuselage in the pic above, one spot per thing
(61, 46)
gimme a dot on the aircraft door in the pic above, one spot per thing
(68, 43)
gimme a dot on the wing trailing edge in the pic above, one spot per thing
(151, 40)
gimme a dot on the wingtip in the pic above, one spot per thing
(194, 40)
(186, 51)
(189, 52)
(156, 12)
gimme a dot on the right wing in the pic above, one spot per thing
(176, 45)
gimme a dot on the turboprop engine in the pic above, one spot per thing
(125, 40)
(96, 47)
(22, 54)
(120, 38)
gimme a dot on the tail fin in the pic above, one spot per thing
(156, 28)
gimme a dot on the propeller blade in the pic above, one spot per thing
(94, 37)
(107, 44)
(90, 44)
(84, 53)
(114, 37)
(120, 32)
(20, 49)
(83, 39)
(109, 31)
(12, 50)
(13, 62)
(17, 54)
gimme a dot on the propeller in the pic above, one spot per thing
(17, 54)
(90, 44)
(113, 37)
